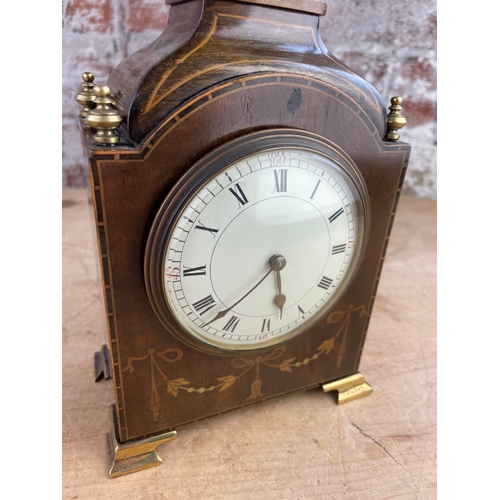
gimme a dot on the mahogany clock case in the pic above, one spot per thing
(248, 69)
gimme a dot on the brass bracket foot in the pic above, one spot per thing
(126, 458)
(102, 364)
(349, 388)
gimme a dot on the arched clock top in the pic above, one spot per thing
(206, 42)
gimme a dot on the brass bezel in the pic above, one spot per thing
(193, 180)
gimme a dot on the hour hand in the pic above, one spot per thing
(280, 300)
(278, 262)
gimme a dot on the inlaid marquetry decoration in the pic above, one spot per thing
(170, 355)
(344, 317)
(242, 365)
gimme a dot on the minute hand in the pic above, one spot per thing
(221, 314)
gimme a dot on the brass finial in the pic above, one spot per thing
(103, 118)
(85, 97)
(395, 120)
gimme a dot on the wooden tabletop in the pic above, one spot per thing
(300, 446)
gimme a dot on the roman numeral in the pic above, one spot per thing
(325, 282)
(336, 214)
(315, 189)
(204, 305)
(240, 195)
(231, 324)
(266, 325)
(338, 249)
(301, 312)
(280, 178)
(202, 227)
(194, 271)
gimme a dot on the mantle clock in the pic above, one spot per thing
(244, 185)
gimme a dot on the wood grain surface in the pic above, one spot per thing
(297, 447)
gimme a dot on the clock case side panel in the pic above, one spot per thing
(106, 274)
(133, 185)
(402, 150)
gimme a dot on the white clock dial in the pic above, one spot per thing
(263, 248)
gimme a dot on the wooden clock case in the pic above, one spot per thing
(221, 70)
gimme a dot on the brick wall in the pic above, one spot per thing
(390, 44)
